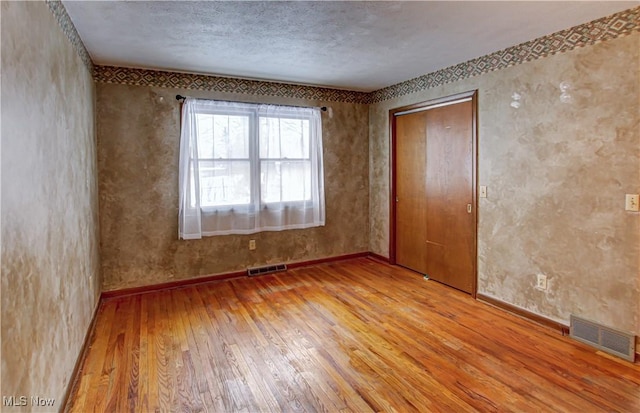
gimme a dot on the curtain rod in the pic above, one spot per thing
(182, 98)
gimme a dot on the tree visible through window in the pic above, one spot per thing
(255, 167)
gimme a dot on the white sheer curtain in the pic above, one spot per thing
(246, 168)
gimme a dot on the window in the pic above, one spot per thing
(246, 168)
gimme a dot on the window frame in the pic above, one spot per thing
(255, 168)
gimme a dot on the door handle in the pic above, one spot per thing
(469, 208)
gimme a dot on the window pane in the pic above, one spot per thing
(204, 125)
(284, 138)
(223, 136)
(224, 183)
(285, 181)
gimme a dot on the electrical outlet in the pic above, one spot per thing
(541, 282)
(252, 244)
(632, 202)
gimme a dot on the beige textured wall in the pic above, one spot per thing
(556, 174)
(138, 148)
(50, 267)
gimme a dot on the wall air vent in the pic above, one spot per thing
(603, 338)
(268, 269)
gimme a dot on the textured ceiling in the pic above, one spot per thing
(355, 45)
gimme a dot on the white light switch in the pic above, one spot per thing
(632, 202)
(483, 191)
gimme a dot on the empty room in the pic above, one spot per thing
(320, 206)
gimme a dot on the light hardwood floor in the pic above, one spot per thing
(356, 335)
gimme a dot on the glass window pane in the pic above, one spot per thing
(295, 142)
(204, 126)
(224, 183)
(285, 181)
(230, 136)
(269, 133)
(284, 138)
(222, 136)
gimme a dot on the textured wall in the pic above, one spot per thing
(138, 147)
(556, 175)
(50, 267)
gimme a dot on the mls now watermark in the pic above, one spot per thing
(20, 401)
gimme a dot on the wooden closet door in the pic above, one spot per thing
(433, 170)
(411, 197)
(449, 209)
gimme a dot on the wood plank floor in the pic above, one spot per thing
(352, 336)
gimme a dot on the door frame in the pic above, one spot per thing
(426, 105)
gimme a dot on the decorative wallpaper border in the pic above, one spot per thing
(143, 77)
(69, 29)
(606, 28)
